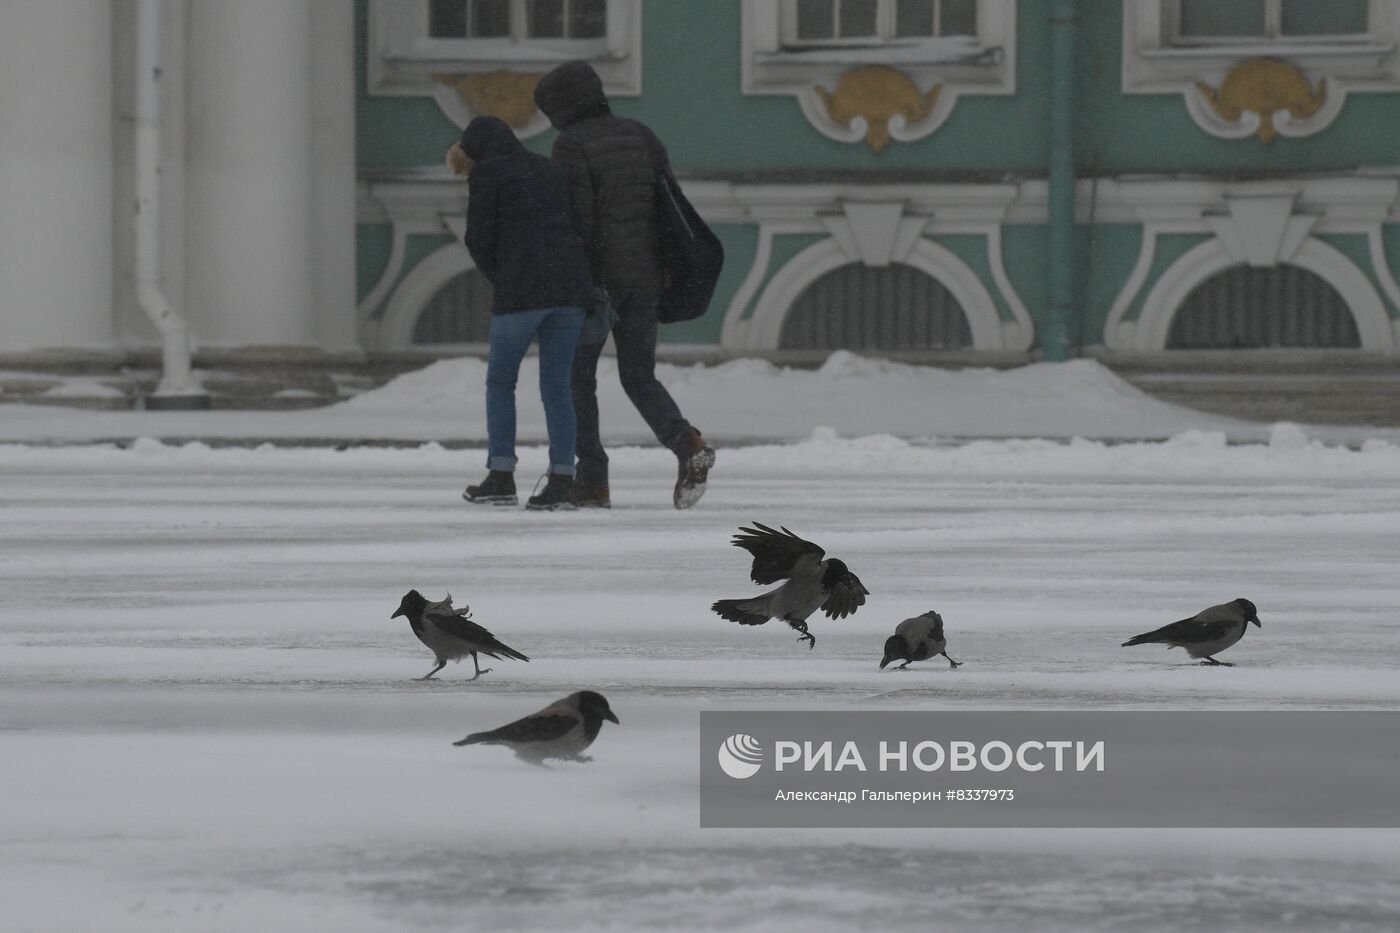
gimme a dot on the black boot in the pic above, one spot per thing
(558, 494)
(592, 495)
(694, 458)
(497, 489)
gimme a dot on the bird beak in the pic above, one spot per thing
(885, 663)
(399, 613)
(610, 716)
(1255, 620)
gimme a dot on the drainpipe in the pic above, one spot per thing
(1055, 343)
(178, 388)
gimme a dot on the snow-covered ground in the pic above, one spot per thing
(208, 720)
(742, 400)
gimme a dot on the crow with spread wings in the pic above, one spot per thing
(812, 582)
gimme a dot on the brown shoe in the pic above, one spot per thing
(694, 459)
(592, 496)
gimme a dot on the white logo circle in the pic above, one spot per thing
(740, 756)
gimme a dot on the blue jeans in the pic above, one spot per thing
(511, 335)
(634, 333)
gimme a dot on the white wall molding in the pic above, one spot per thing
(946, 67)
(1212, 257)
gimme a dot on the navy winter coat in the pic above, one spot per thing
(523, 232)
(612, 163)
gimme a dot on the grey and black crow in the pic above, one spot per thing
(812, 583)
(562, 729)
(917, 639)
(450, 633)
(1207, 633)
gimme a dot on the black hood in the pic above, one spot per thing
(570, 93)
(485, 137)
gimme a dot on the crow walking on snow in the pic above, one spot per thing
(917, 639)
(450, 633)
(811, 582)
(562, 729)
(1207, 633)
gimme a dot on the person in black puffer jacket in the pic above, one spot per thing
(526, 237)
(612, 164)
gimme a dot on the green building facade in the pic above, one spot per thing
(880, 171)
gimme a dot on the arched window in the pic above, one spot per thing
(1245, 307)
(458, 312)
(860, 307)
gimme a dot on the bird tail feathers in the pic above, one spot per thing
(1147, 638)
(497, 650)
(743, 611)
(476, 738)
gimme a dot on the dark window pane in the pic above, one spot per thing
(1324, 17)
(913, 18)
(588, 19)
(1246, 308)
(546, 19)
(1222, 17)
(447, 19)
(858, 307)
(957, 18)
(490, 19)
(857, 17)
(814, 19)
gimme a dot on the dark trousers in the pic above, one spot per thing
(634, 334)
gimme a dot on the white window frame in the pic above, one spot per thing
(1157, 60)
(981, 64)
(403, 59)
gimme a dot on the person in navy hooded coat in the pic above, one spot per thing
(525, 236)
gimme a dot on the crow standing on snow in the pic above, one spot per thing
(1207, 633)
(450, 633)
(917, 639)
(812, 583)
(562, 729)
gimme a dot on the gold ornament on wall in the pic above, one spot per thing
(505, 94)
(1264, 86)
(877, 94)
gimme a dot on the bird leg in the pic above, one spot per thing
(479, 671)
(806, 636)
(950, 660)
(903, 667)
(442, 662)
(1211, 662)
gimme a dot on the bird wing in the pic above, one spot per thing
(844, 593)
(1225, 612)
(459, 626)
(543, 726)
(774, 552)
(919, 628)
(1190, 631)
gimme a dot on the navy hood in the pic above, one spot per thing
(570, 93)
(485, 137)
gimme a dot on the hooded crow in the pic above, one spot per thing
(563, 729)
(812, 583)
(1207, 633)
(917, 639)
(450, 633)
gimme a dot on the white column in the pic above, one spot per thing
(249, 195)
(55, 174)
(333, 142)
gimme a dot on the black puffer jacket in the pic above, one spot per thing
(612, 164)
(522, 229)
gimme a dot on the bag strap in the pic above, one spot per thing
(666, 181)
